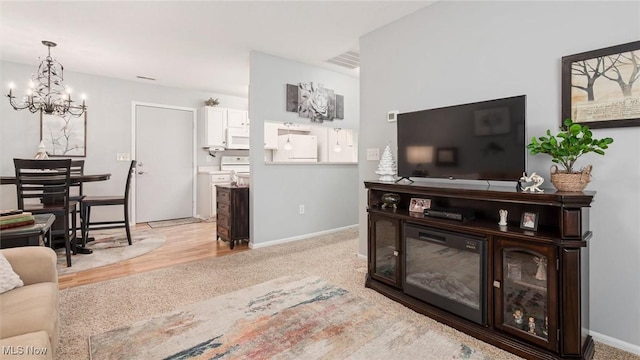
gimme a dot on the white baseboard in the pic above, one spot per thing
(301, 237)
(616, 343)
(363, 257)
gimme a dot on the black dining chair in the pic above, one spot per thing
(42, 186)
(90, 201)
(76, 192)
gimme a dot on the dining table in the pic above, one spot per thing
(75, 179)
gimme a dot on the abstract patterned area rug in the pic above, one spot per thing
(110, 247)
(173, 222)
(285, 318)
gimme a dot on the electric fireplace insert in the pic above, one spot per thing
(447, 270)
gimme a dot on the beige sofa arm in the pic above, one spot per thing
(34, 264)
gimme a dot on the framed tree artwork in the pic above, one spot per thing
(601, 88)
(64, 136)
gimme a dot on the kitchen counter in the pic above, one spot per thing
(212, 170)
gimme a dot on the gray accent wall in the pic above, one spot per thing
(458, 52)
(329, 192)
(108, 123)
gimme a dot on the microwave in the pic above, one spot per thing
(237, 138)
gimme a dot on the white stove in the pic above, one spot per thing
(239, 164)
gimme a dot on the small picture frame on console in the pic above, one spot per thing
(529, 220)
(418, 205)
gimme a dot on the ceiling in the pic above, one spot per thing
(200, 45)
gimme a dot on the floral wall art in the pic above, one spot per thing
(314, 101)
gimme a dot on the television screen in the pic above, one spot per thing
(483, 140)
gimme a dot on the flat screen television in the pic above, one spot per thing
(481, 141)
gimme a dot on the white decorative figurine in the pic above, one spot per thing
(234, 178)
(387, 166)
(503, 217)
(537, 181)
(541, 274)
(42, 152)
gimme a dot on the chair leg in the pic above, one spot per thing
(67, 241)
(74, 226)
(71, 233)
(81, 220)
(126, 223)
(87, 222)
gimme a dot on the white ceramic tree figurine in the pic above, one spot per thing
(387, 165)
(42, 152)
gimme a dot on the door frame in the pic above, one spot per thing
(194, 164)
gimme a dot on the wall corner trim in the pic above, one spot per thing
(616, 343)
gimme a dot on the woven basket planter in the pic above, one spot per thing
(565, 181)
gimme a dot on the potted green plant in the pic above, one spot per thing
(212, 102)
(573, 141)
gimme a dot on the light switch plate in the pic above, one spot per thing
(373, 154)
(123, 157)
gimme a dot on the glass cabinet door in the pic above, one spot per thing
(526, 291)
(386, 252)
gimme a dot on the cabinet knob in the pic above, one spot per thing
(496, 284)
(395, 253)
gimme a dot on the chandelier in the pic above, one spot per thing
(46, 91)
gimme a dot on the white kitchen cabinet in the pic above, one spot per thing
(215, 125)
(271, 135)
(237, 118)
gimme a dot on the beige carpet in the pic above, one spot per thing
(96, 308)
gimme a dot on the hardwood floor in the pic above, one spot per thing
(184, 243)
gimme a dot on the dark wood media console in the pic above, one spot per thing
(535, 293)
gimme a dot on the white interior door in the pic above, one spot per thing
(164, 150)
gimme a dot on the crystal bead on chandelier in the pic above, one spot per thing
(46, 91)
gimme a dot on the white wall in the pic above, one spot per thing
(459, 52)
(108, 123)
(328, 191)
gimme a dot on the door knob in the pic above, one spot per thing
(140, 163)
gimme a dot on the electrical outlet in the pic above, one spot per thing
(123, 157)
(301, 210)
(373, 154)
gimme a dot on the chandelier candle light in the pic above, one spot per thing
(288, 145)
(337, 147)
(47, 92)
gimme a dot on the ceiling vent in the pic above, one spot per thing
(350, 59)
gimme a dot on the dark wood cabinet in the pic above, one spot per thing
(526, 291)
(232, 213)
(532, 300)
(384, 251)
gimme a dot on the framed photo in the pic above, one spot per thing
(601, 88)
(418, 205)
(64, 136)
(529, 220)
